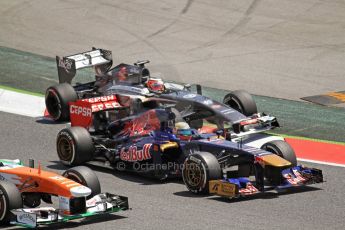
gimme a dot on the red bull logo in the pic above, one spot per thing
(133, 154)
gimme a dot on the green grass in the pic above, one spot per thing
(21, 91)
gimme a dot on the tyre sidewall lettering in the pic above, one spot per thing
(67, 135)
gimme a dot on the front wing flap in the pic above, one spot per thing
(240, 187)
(104, 203)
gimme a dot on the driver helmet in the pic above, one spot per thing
(155, 85)
(181, 125)
(122, 74)
(183, 131)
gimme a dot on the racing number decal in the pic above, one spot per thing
(133, 154)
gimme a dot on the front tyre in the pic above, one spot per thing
(57, 100)
(241, 101)
(198, 169)
(282, 149)
(74, 146)
(84, 176)
(10, 198)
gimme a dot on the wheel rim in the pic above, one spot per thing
(75, 177)
(2, 206)
(235, 104)
(53, 104)
(65, 149)
(193, 174)
(273, 150)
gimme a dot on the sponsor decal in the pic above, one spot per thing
(298, 175)
(67, 64)
(66, 134)
(27, 218)
(133, 154)
(100, 99)
(106, 105)
(63, 203)
(191, 95)
(215, 187)
(11, 178)
(194, 159)
(93, 201)
(250, 189)
(294, 180)
(79, 110)
(228, 188)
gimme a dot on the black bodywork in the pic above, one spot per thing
(193, 106)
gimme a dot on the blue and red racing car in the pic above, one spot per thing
(237, 115)
(154, 140)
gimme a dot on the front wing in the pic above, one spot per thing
(104, 203)
(241, 187)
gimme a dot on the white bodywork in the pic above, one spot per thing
(257, 140)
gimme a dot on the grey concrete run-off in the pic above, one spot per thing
(286, 49)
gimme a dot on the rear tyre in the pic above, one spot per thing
(74, 146)
(57, 98)
(85, 176)
(282, 149)
(241, 101)
(199, 168)
(10, 198)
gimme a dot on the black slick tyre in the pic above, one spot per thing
(282, 149)
(198, 169)
(10, 198)
(57, 98)
(74, 146)
(241, 101)
(85, 176)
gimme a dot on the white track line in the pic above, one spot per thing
(321, 162)
(21, 103)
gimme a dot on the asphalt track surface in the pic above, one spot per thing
(168, 205)
(286, 49)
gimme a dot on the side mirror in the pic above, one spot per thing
(187, 86)
(141, 63)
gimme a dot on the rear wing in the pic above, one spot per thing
(81, 110)
(67, 66)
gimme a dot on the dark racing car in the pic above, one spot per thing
(155, 141)
(237, 115)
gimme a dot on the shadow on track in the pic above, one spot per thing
(124, 175)
(80, 223)
(48, 121)
(266, 195)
